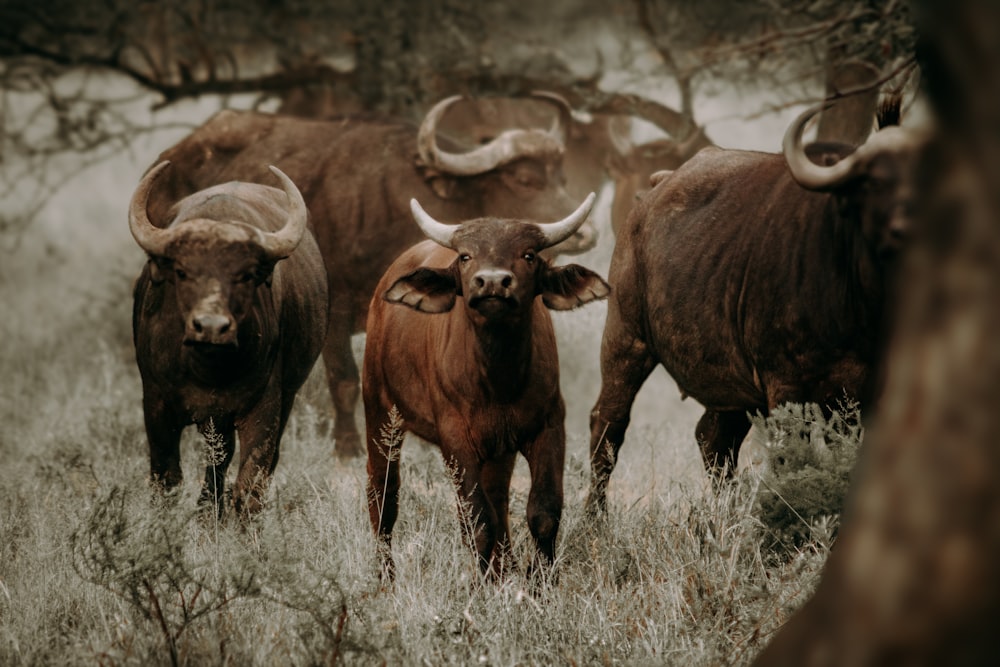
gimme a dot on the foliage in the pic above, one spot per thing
(806, 472)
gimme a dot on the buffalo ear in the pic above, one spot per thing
(444, 187)
(571, 286)
(156, 272)
(426, 290)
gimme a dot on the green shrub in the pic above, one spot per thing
(808, 461)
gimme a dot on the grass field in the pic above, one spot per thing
(94, 570)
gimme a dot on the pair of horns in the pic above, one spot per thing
(506, 147)
(277, 245)
(554, 232)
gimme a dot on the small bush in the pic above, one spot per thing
(806, 473)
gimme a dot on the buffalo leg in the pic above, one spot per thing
(476, 514)
(626, 362)
(342, 378)
(220, 444)
(260, 435)
(496, 485)
(719, 436)
(546, 457)
(383, 486)
(163, 431)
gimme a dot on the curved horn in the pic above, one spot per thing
(565, 116)
(507, 146)
(150, 238)
(282, 243)
(428, 148)
(806, 173)
(436, 231)
(557, 232)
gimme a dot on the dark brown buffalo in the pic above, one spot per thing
(754, 279)
(599, 146)
(357, 176)
(461, 344)
(228, 319)
(592, 140)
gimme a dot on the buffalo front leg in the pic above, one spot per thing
(220, 444)
(260, 436)
(496, 476)
(163, 432)
(383, 485)
(546, 457)
(342, 378)
(477, 517)
(625, 364)
(719, 436)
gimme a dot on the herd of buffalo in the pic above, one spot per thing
(753, 278)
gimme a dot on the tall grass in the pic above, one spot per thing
(95, 569)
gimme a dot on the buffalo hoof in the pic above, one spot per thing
(347, 446)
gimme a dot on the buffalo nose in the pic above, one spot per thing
(493, 280)
(211, 327)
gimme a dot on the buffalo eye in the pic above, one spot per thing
(181, 274)
(245, 277)
(529, 257)
(464, 257)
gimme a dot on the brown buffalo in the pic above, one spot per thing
(229, 317)
(754, 279)
(461, 343)
(357, 176)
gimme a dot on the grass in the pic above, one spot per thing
(94, 570)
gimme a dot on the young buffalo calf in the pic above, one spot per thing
(481, 380)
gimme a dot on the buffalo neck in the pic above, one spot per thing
(861, 278)
(503, 355)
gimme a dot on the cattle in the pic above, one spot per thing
(460, 343)
(357, 175)
(755, 279)
(229, 316)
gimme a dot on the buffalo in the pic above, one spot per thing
(460, 343)
(229, 317)
(599, 146)
(754, 279)
(357, 175)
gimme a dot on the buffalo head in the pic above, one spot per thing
(517, 174)
(873, 183)
(498, 269)
(217, 263)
